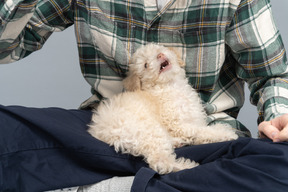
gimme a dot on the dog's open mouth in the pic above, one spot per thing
(165, 66)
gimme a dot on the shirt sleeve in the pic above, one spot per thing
(25, 25)
(257, 47)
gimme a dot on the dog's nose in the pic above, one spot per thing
(160, 56)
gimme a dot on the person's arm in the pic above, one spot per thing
(25, 25)
(256, 45)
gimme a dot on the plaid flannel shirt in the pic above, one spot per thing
(223, 43)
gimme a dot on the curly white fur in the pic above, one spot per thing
(158, 112)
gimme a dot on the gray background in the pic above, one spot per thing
(51, 77)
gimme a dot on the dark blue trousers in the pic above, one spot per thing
(46, 149)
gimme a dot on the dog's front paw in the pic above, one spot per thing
(230, 136)
(223, 132)
(227, 133)
(215, 133)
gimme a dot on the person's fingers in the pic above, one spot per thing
(266, 129)
(283, 135)
(280, 122)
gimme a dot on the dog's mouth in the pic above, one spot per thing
(165, 66)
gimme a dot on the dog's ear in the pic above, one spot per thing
(132, 82)
(180, 61)
(178, 55)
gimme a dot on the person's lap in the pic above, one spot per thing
(46, 149)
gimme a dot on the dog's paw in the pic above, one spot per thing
(178, 142)
(229, 136)
(182, 163)
(215, 133)
(227, 133)
(222, 132)
(165, 167)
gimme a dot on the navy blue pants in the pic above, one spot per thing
(46, 149)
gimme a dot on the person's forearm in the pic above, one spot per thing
(27, 24)
(260, 58)
(14, 17)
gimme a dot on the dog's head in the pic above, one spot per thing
(153, 65)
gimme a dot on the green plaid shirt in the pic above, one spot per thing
(223, 42)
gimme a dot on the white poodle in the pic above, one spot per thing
(158, 112)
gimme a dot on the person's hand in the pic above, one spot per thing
(276, 129)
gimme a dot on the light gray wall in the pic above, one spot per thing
(51, 77)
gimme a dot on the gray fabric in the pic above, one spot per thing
(115, 184)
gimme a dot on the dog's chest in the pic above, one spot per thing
(175, 101)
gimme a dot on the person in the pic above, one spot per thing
(223, 43)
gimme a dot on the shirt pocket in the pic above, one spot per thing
(110, 39)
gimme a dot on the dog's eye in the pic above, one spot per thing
(145, 65)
